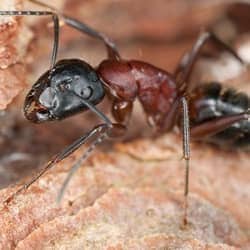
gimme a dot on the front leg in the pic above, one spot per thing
(98, 134)
(122, 110)
(101, 133)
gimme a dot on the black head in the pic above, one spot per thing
(56, 93)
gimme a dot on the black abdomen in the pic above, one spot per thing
(212, 101)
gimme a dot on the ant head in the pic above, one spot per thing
(58, 92)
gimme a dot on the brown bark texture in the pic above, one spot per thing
(13, 45)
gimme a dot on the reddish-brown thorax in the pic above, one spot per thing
(155, 88)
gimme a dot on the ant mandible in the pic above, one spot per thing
(71, 86)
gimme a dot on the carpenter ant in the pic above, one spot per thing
(71, 86)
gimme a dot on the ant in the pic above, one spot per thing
(71, 86)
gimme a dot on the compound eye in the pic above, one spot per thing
(86, 92)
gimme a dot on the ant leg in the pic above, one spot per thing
(172, 116)
(187, 62)
(82, 27)
(216, 125)
(122, 110)
(101, 132)
(186, 153)
(117, 130)
(169, 122)
(59, 157)
(41, 13)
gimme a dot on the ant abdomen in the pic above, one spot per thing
(55, 95)
(211, 101)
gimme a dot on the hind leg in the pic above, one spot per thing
(185, 67)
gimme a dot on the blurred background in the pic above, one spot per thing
(158, 32)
